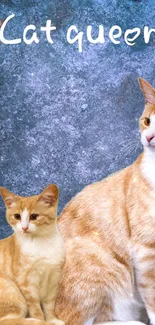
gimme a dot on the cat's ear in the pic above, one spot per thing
(9, 198)
(148, 91)
(49, 196)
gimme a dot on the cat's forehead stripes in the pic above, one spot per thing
(28, 202)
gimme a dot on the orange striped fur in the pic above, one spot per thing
(31, 259)
(109, 234)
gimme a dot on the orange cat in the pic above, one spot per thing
(31, 259)
(109, 234)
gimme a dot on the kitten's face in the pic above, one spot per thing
(31, 215)
(147, 120)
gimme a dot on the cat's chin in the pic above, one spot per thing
(150, 146)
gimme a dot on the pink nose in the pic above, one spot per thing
(149, 138)
(24, 228)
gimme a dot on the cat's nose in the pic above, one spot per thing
(24, 228)
(149, 138)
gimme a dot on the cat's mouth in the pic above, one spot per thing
(151, 144)
(26, 231)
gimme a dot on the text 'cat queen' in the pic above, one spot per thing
(73, 35)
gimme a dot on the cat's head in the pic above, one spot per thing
(147, 120)
(32, 215)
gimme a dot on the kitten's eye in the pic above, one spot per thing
(17, 216)
(34, 216)
(147, 121)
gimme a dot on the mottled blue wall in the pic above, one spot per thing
(67, 117)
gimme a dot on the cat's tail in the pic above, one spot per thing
(22, 321)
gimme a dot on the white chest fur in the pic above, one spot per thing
(48, 250)
(41, 260)
(148, 166)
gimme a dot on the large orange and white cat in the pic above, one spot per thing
(109, 234)
(31, 259)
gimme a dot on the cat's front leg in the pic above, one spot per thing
(33, 303)
(49, 300)
(145, 278)
(34, 309)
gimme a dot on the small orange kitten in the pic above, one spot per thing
(109, 235)
(31, 259)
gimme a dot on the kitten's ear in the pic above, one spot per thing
(8, 197)
(148, 91)
(50, 195)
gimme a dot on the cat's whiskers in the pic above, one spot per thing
(130, 146)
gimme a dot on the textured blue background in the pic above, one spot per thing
(67, 117)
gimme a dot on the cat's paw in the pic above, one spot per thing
(135, 323)
(56, 321)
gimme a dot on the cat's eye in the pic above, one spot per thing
(17, 216)
(147, 121)
(34, 216)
